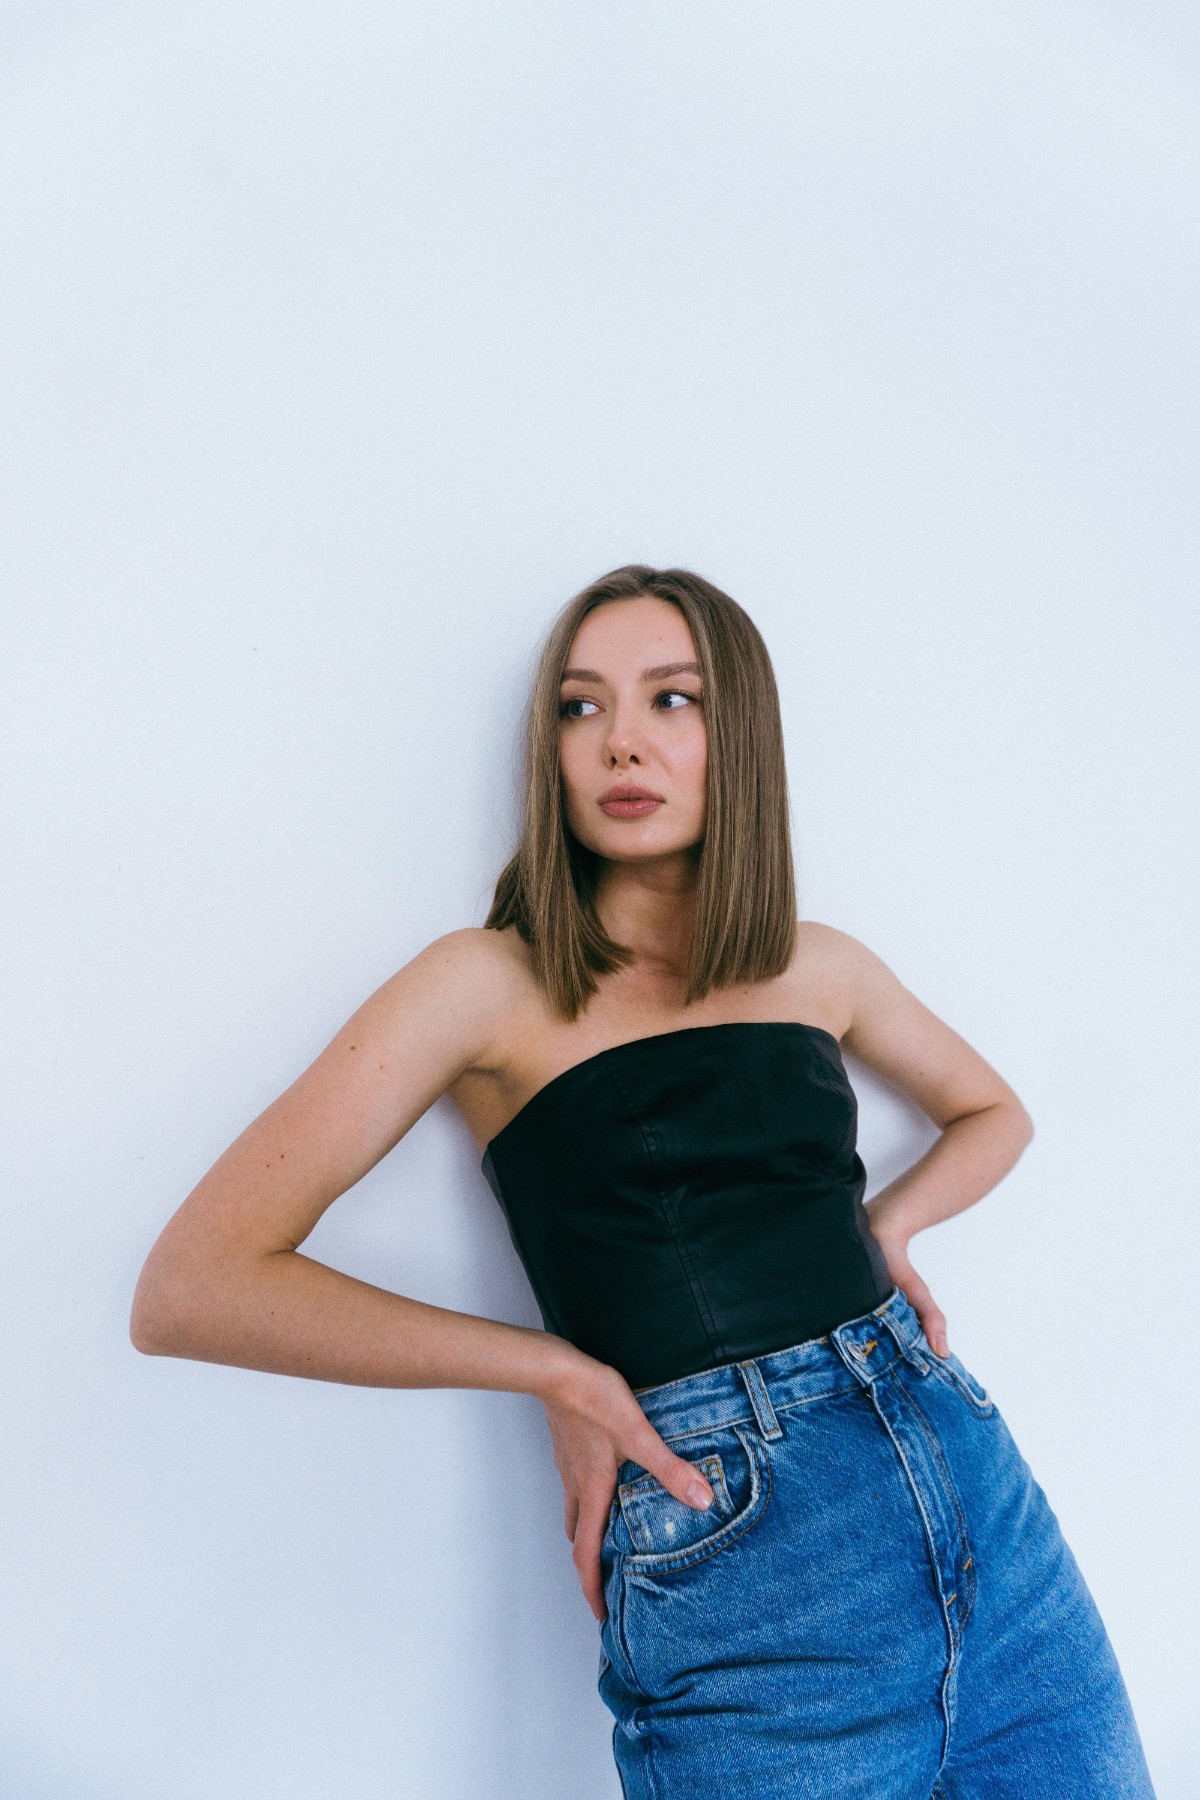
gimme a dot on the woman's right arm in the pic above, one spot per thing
(226, 1281)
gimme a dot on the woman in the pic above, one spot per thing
(821, 1566)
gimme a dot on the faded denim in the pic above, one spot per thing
(878, 1606)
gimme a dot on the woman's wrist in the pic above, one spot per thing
(566, 1376)
(891, 1231)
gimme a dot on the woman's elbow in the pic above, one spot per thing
(154, 1321)
(172, 1306)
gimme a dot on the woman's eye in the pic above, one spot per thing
(565, 706)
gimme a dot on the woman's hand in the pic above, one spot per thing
(914, 1289)
(597, 1424)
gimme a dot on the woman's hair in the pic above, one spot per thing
(745, 917)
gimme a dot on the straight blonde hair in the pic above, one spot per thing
(745, 918)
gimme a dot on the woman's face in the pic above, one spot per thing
(631, 716)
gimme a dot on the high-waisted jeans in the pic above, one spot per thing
(879, 1605)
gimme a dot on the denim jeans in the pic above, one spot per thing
(879, 1605)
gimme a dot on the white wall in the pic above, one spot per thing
(342, 343)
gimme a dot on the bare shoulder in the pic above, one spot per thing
(459, 959)
(460, 989)
(824, 972)
(891, 1030)
(840, 963)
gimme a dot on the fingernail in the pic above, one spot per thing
(698, 1495)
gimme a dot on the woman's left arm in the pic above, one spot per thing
(984, 1126)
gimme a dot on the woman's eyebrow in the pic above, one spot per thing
(659, 674)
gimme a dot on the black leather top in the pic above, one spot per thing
(692, 1198)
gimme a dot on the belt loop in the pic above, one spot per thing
(906, 1344)
(760, 1400)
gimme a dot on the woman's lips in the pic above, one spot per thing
(628, 809)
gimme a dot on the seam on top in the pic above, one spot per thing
(733, 1070)
(550, 1317)
(695, 1287)
(860, 1221)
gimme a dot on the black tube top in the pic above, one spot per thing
(692, 1198)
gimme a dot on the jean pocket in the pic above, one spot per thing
(666, 1533)
(957, 1376)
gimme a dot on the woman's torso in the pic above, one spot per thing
(692, 1198)
(690, 1192)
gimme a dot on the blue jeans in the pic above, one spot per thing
(879, 1605)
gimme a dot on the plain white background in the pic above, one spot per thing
(342, 343)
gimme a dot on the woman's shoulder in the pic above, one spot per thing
(480, 975)
(821, 939)
(833, 970)
(482, 950)
(827, 954)
(446, 1013)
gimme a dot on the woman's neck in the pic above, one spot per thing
(651, 906)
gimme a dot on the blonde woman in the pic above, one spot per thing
(820, 1564)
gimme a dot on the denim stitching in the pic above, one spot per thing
(847, 1387)
(908, 1343)
(651, 1562)
(677, 1437)
(968, 1548)
(760, 1399)
(930, 1536)
(645, 1484)
(935, 1445)
(621, 1641)
(718, 1481)
(632, 1489)
(957, 1385)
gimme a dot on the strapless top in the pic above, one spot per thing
(692, 1198)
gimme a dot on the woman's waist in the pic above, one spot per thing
(660, 1311)
(751, 1388)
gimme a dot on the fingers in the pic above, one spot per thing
(933, 1323)
(680, 1477)
(931, 1316)
(687, 1483)
(589, 1536)
(584, 1456)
